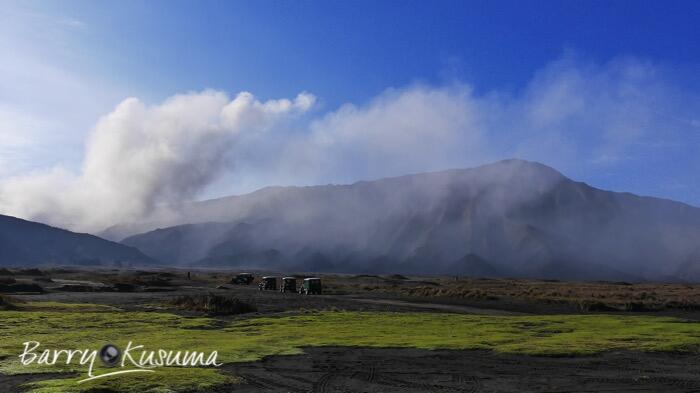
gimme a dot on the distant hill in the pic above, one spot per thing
(24, 243)
(510, 218)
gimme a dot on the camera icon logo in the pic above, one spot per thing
(110, 355)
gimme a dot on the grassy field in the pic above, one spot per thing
(61, 326)
(581, 296)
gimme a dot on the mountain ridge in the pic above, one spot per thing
(517, 218)
(119, 232)
(24, 243)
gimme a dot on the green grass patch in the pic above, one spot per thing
(252, 339)
(167, 380)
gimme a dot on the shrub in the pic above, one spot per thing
(213, 304)
(21, 288)
(123, 287)
(154, 281)
(637, 306)
(593, 306)
(76, 288)
(8, 302)
(7, 280)
(30, 272)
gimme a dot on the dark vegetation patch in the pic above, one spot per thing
(9, 303)
(64, 271)
(213, 304)
(158, 289)
(364, 276)
(136, 281)
(78, 288)
(593, 306)
(154, 281)
(29, 272)
(124, 287)
(21, 288)
(581, 296)
(4, 280)
(467, 293)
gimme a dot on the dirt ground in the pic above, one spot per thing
(326, 370)
(402, 370)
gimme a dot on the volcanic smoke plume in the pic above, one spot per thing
(141, 156)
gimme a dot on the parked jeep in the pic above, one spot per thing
(268, 283)
(289, 284)
(242, 279)
(311, 286)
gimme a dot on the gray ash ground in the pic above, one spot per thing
(336, 370)
(14, 383)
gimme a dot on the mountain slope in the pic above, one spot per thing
(511, 218)
(25, 243)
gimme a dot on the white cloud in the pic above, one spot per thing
(572, 115)
(415, 129)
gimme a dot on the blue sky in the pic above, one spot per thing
(605, 91)
(351, 51)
